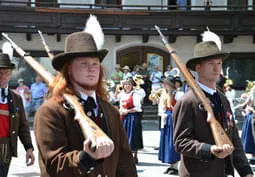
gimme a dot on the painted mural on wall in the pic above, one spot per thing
(154, 59)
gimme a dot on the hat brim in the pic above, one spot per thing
(60, 59)
(126, 69)
(193, 61)
(12, 66)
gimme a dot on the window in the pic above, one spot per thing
(240, 67)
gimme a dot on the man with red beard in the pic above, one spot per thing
(62, 149)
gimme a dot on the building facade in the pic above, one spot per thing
(129, 31)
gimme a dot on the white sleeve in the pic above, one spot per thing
(178, 95)
(141, 93)
(137, 102)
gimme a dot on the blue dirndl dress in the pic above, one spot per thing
(133, 131)
(132, 125)
(247, 136)
(167, 152)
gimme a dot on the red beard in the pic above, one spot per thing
(88, 87)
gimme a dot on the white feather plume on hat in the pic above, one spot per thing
(210, 36)
(94, 28)
(7, 49)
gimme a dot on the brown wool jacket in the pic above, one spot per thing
(59, 142)
(193, 137)
(19, 125)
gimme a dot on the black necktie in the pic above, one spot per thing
(91, 102)
(215, 95)
(3, 94)
(89, 105)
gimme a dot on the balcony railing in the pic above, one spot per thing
(28, 17)
(54, 4)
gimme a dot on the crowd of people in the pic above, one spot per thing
(186, 140)
(32, 97)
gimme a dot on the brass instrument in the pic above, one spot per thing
(109, 84)
(119, 87)
(138, 79)
(155, 95)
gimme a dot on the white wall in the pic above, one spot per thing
(214, 3)
(144, 3)
(20, 3)
(75, 2)
(183, 46)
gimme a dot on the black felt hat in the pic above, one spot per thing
(5, 62)
(78, 44)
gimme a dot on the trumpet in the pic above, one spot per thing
(119, 87)
(155, 95)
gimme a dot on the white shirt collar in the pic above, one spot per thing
(85, 96)
(207, 89)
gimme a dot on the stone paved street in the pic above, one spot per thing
(148, 165)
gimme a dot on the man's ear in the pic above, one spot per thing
(197, 67)
(69, 70)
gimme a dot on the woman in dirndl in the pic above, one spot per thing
(248, 129)
(167, 152)
(130, 107)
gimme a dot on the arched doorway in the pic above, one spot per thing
(138, 55)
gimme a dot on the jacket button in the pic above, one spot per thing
(13, 116)
(99, 175)
(13, 132)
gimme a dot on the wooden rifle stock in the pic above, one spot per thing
(219, 135)
(88, 127)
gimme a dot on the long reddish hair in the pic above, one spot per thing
(62, 84)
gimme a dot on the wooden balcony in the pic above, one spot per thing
(120, 21)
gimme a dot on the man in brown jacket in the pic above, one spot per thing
(13, 123)
(63, 151)
(200, 157)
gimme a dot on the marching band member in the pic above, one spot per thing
(167, 152)
(130, 107)
(248, 129)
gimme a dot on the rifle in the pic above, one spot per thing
(219, 135)
(88, 127)
(50, 54)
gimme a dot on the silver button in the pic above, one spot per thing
(13, 132)
(89, 114)
(13, 116)
(99, 175)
